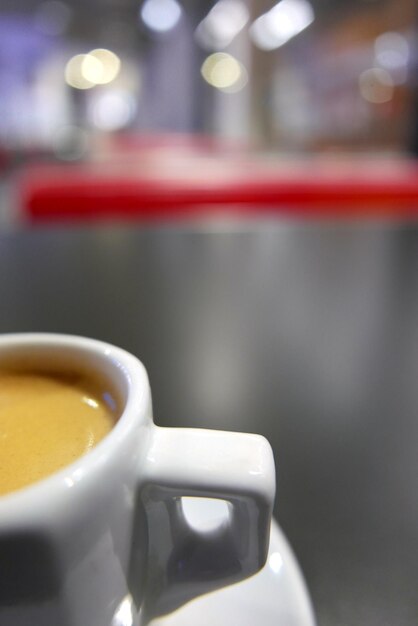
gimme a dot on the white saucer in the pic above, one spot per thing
(276, 596)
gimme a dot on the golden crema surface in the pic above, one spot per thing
(47, 420)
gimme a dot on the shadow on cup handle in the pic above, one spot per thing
(183, 561)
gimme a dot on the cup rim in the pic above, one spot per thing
(133, 414)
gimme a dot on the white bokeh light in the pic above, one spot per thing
(161, 15)
(392, 53)
(112, 110)
(222, 24)
(391, 50)
(285, 20)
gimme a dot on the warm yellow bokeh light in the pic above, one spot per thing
(223, 71)
(91, 69)
(74, 75)
(98, 67)
(109, 62)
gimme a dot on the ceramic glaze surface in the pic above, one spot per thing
(276, 596)
(112, 525)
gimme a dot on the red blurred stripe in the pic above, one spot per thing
(85, 192)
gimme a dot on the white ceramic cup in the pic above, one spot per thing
(105, 541)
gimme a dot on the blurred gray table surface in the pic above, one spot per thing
(306, 333)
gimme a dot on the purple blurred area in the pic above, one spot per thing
(321, 76)
(295, 78)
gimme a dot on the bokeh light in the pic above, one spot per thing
(225, 72)
(376, 85)
(91, 69)
(98, 67)
(285, 20)
(161, 15)
(222, 24)
(101, 66)
(112, 110)
(392, 53)
(74, 75)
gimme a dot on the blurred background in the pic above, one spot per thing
(117, 80)
(261, 115)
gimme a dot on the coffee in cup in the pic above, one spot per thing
(104, 538)
(47, 420)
